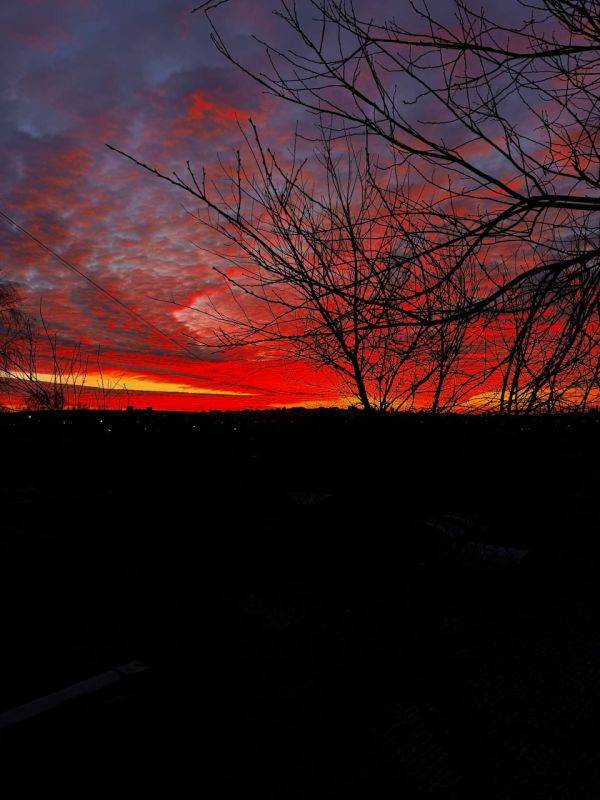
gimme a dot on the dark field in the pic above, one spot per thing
(328, 604)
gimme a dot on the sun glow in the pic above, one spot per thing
(134, 383)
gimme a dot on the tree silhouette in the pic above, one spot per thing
(23, 344)
(311, 257)
(490, 219)
(13, 332)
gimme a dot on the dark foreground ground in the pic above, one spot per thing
(328, 605)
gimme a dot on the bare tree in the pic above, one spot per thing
(500, 122)
(11, 322)
(449, 246)
(310, 260)
(12, 328)
(109, 392)
(23, 345)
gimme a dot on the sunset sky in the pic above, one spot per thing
(144, 76)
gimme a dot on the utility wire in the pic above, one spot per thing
(78, 271)
(113, 298)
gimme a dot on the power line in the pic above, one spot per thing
(78, 271)
(113, 298)
(135, 314)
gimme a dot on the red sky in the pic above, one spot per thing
(143, 76)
